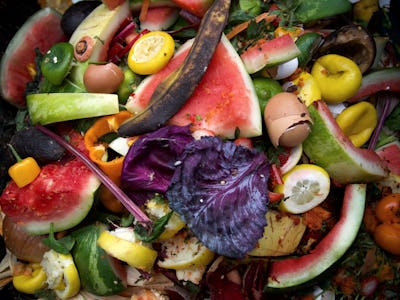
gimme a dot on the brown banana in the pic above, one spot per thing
(172, 93)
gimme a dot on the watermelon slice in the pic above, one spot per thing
(328, 147)
(224, 101)
(160, 18)
(379, 80)
(269, 53)
(62, 194)
(41, 31)
(295, 271)
(196, 7)
(390, 153)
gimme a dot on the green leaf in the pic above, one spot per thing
(393, 120)
(63, 245)
(158, 228)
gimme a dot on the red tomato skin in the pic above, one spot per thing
(388, 209)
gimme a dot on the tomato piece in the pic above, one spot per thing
(388, 209)
(151, 52)
(387, 236)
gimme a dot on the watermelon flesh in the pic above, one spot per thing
(41, 31)
(297, 270)
(390, 154)
(196, 7)
(269, 53)
(62, 194)
(160, 18)
(224, 101)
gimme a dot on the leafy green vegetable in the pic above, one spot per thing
(393, 120)
(158, 228)
(63, 245)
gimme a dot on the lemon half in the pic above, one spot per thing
(304, 187)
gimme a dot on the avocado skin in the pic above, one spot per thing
(173, 92)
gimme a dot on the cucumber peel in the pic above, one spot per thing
(58, 107)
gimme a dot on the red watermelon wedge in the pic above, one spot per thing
(41, 31)
(224, 101)
(62, 194)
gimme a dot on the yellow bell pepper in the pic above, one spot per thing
(358, 121)
(24, 171)
(307, 88)
(32, 280)
(294, 31)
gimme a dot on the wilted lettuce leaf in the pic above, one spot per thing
(220, 191)
(150, 162)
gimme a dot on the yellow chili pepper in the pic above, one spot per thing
(24, 171)
(358, 121)
(33, 280)
(98, 150)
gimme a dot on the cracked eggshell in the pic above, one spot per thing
(287, 120)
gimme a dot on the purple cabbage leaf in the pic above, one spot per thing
(220, 190)
(150, 162)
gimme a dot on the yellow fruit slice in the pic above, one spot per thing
(184, 251)
(62, 274)
(308, 89)
(122, 245)
(304, 187)
(151, 52)
(158, 209)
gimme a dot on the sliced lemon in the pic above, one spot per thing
(304, 187)
(62, 274)
(184, 251)
(159, 208)
(151, 52)
(122, 245)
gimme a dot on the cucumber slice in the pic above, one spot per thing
(57, 107)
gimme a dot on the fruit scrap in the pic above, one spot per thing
(24, 171)
(31, 280)
(173, 92)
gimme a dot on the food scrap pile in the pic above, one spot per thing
(174, 149)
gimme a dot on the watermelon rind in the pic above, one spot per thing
(41, 31)
(295, 271)
(225, 101)
(58, 107)
(96, 271)
(328, 147)
(269, 53)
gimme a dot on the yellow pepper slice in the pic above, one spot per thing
(24, 171)
(358, 121)
(307, 88)
(32, 281)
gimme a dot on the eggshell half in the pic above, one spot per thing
(287, 119)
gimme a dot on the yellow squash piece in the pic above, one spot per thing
(358, 121)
